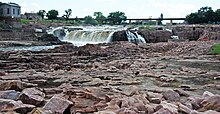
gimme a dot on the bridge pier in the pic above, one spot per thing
(129, 21)
(171, 22)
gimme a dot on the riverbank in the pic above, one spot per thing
(119, 77)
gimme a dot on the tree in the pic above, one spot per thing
(116, 17)
(68, 14)
(99, 17)
(89, 20)
(41, 13)
(204, 15)
(193, 18)
(52, 14)
(217, 15)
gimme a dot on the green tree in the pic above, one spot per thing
(52, 14)
(89, 20)
(1, 10)
(193, 18)
(116, 17)
(99, 17)
(41, 13)
(67, 15)
(204, 15)
(217, 15)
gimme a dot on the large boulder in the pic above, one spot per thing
(155, 36)
(32, 96)
(120, 36)
(49, 38)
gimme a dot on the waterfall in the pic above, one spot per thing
(94, 35)
(135, 37)
(82, 37)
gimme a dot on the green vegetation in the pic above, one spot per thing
(52, 14)
(67, 15)
(24, 21)
(116, 17)
(215, 49)
(99, 17)
(41, 13)
(146, 28)
(204, 15)
(89, 20)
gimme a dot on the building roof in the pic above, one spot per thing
(11, 4)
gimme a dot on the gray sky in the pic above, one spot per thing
(132, 8)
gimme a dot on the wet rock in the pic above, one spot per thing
(171, 95)
(18, 106)
(58, 104)
(32, 96)
(9, 94)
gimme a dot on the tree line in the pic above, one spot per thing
(113, 17)
(203, 16)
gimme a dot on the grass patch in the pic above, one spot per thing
(215, 49)
(146, 28)
(24, 21)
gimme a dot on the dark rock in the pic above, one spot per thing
(119, 36)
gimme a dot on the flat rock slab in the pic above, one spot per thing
(58, 105)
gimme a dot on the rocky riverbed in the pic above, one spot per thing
(114, 78)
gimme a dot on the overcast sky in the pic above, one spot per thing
(132, 8)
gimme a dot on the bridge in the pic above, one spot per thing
(141, 19)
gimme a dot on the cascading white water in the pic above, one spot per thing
(82, 37)
(135, 37)
(94, 35)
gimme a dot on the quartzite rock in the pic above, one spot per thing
(9, 94)
(18, 106)
(32, 96)
(171, 95)
(58, 104)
